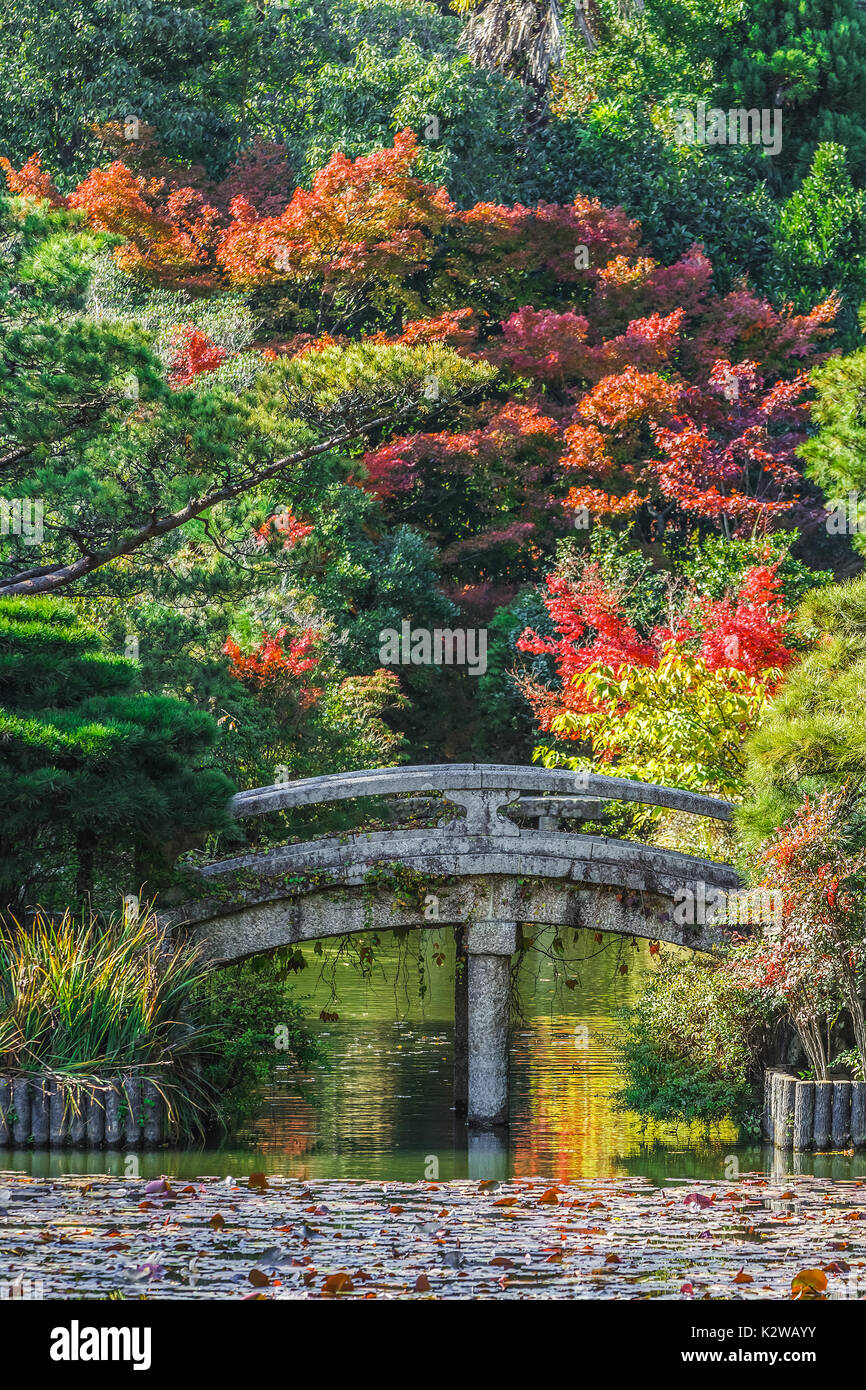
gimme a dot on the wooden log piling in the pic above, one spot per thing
(43, 1112)
(822, 1116)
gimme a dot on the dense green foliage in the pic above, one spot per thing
(101, 784)
(692, 1045)
(255, 1034)
(813, 736)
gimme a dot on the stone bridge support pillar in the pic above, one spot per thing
(461, 1022)
(489, 948)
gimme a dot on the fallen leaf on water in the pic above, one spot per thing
(338, 1283)
(258, 1279)
(697, 1199)
(809, 1283)
(159, 1188)
(422, 1284)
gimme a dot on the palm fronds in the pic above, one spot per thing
(520, 38)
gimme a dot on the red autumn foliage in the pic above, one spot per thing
(192, 353)
(285, 527)
(31, 181)
(273, 670)
(746, 632)
(638, 392)
(811, 876)
(169, 234)
(365, 223)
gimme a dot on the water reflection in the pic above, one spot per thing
(381, 1107)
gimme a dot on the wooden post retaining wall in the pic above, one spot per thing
(822, 1116)
(40, 1112)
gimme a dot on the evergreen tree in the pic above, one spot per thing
(93, 433)
(813, 734)
(101, 785)
(64, 69)
(836, 454)
(808, 57)
(821, 242)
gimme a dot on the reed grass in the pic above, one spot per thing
(83, 1001)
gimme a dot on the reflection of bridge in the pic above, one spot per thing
(485, 872)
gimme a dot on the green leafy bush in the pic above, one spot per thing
(692, 1045)
(254, 1027)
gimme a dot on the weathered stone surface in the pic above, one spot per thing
(804, 1115)
(21, 1110)
(40, 1126)
(767, 1116)
(841, 1121)
(113, 1126)
(77, 1116)
(783, 1119)
(132, 1112)
(303, 892)
(445, 777)
(461, 1023)
(58, 1117)
(552, 809)
(491, 938)
(858, 1114)
(489, 1004)
(152, 1109)
(823, 1114)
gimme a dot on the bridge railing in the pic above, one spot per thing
(482, 789)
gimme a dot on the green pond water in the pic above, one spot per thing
(380, 1105)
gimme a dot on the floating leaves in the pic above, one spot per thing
(809, 1283)
(450, 1240)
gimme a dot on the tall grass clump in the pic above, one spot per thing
(82, 1001)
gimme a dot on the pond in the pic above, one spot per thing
(380, 1104)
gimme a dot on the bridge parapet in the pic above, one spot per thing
(482, 789)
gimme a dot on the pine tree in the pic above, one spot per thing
(813, 736)
(101, 785)
(807, 56)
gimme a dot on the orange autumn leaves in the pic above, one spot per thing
(659, 397)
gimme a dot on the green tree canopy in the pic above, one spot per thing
(93, 434)
(101, 785)
(806, 56)
(813, 735)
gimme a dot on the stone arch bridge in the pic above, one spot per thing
(485, 849)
